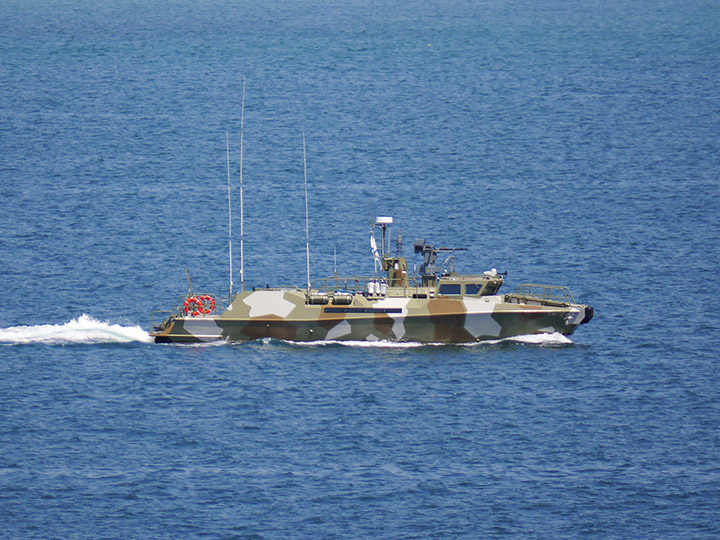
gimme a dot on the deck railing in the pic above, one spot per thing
(359, 284)
(545, 294)
(179, 308)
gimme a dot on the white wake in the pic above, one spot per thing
(84, 329)
(555, 338)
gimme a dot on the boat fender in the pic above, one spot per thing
(192, 306)
(589, 314)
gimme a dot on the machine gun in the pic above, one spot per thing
(430, 254)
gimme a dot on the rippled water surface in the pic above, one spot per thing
(562, 143)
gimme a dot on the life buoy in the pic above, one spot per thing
(207, 304)
(193, 306)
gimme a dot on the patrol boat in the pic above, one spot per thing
(433, 305)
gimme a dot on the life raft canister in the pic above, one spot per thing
(207, 304)
(193, 306)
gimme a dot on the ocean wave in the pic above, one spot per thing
(84, 329)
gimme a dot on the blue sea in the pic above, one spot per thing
(570, 143)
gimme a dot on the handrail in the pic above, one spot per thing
(356, 284)
(158, 311)
(543, 293)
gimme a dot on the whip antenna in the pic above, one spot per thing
(307, 219)
(242, 214)
(227, 153)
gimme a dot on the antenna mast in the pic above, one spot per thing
(242, 214)
(307, 219)
(227, 153)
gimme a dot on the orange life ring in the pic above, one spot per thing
(207, 304)
(193, 306)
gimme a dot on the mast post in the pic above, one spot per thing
(383, 221)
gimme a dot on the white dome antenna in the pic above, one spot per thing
(383, 221)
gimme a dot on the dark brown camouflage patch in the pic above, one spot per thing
(449, 325)
(271, 326)
(328, 321)
(450, 328)
(383, 323)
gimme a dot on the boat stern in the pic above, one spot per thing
(193, 320)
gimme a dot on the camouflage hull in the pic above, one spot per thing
(288, 314)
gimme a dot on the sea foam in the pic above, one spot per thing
(84, 329)
(554, 338)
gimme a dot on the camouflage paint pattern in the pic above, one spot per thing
(401, 314)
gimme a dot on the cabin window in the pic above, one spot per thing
(449, 288)
(472, 288)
